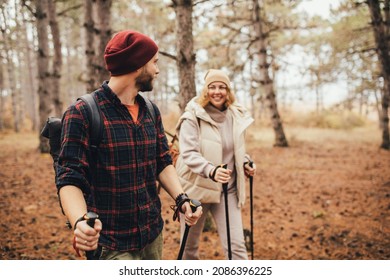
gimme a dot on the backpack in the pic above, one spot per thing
(53, 126)
(174, 145)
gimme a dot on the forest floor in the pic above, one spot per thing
(327, 196)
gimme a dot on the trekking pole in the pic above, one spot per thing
(251, 202)
(225, 193)
(194, 205)
(90, 217)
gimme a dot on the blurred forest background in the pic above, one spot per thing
(315, 75)
(286, 64)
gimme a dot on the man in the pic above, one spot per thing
(118, 181)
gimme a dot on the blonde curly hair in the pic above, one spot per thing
(214, 75)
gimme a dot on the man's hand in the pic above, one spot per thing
(190, 217)
(85, 237)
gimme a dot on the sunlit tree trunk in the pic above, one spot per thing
(19, 70)
(185, 58)
(31, 77)
(20, 67)
(8, 51)
(265, 79)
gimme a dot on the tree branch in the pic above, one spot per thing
(76, 7)
(171, 56)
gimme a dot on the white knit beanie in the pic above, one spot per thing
(214, 75)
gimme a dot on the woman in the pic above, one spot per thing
(211, 132)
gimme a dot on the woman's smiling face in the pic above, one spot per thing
(217, 92)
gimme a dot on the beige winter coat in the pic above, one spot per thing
(208, 153)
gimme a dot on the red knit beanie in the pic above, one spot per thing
(128, 51)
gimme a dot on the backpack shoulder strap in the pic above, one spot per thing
(151, 110)
(95, 118)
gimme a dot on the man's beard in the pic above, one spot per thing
(144, 81)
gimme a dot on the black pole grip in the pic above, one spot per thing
(194, 204)
(224, 185)
(90, 217)
(251, 177)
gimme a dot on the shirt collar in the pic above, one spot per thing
(114, 98)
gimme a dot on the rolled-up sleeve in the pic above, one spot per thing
(73, 167)
(163, 157)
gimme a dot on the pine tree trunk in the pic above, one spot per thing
(19, 68)
(11, 73)
(70, 85)
(1, 98)
(55, 75)
(266, 81)
(90, 53)
(97, 23)
(384, 59)
(104, 33)
(19, 79)
(185, 51)
(386, 10)
(43, 66)
(14, 91)
(31, 79)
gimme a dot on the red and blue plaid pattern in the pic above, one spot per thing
(121, 186)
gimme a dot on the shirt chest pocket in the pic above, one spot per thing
(147, 139)
(131, 145)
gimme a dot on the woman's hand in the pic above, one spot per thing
(249, 171)
(221, 175)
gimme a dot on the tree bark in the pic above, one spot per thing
(185, 59)
(19, 68)
(55, 75)
(265, 79)
(1, 98)
(97, 24)
(11, 73)
(31, 78)
(104, 32)
(43, 66)
(384, 59)
(386, 10)
(90, 52)
(19, 80)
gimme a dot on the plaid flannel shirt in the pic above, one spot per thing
(121, 185)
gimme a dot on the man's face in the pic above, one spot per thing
(149, 72)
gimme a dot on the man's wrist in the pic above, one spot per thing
(180, 200)
(82, 218)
